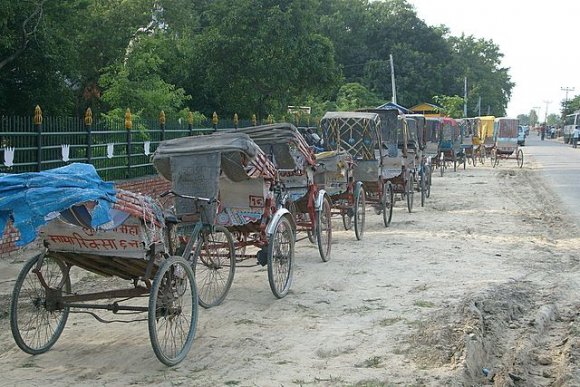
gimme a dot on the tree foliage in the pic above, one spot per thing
(246, 57)
(451, 106)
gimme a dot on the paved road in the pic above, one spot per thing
(561, 167)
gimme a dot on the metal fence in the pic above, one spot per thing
(118, 149)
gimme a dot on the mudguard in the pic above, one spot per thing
(319, 200)
(276, 218)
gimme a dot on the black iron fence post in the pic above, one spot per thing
(89, 129)
(162, 124)
(190, 123)
(214, 121)
(38, 125)
(128, 127)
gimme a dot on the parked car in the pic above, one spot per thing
(521, 136)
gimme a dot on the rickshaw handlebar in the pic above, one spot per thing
(198, 198)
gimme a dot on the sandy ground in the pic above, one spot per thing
(479, 287)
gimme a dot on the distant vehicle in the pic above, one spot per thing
(569, 124)
(526, 129)
(522, 135)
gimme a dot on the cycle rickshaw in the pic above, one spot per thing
(297, 165)
(469, 143)
(506, 141)
(88, 224)
(433, 132)
(400, 144)
(423, 168)
(449, 149)
(224, 185)
(358, 134)
(485, 139)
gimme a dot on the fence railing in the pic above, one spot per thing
(118, 149)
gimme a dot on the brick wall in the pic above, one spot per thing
(151, 186)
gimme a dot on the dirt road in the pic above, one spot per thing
(479, 287)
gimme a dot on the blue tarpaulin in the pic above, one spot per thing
(27, 198)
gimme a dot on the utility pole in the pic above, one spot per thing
(393, 87)
(566, 89)
(546, 112)
(465, 97)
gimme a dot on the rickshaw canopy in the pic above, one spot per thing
(355, 132)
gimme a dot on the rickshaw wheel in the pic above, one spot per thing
(215, 265)
(442, 165)
(410, 192)
(346, 220)
(387, 202)
(454, 162)
(428, 174)
(36, 323)
(482, 154)
(359, 213)
(423, 187)
(311, 236)
(493, 158)
(172, 316)
(281, 258)
(464, 160)
(473, 158)
(520, 157)
(324, 230)
(240, 238)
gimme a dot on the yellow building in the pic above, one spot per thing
(427, 109)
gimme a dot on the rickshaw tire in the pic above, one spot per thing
(429, 174)
(346, 221)
(410, 192)
(359, 212)
(20, 281)
(387, 203)
(153, 317)
(231, 272)
(325, 249)
(281, 291)
(423, 186)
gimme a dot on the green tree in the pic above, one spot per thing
(137, 83)
(352, 96)
(261, 56)
(451, 106)
(572, 106)
(533, 117)
(480, 61)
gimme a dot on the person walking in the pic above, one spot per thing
(543, 131)
(575, 136)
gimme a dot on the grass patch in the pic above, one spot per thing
(424, 304)
(372, 362)
(386, 322)
(244, 321)
(232, 382)
(328, 353)
(362, 309)
(371, 383)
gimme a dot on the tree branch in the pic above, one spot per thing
(35, 17)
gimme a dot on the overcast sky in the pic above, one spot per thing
(540, 41)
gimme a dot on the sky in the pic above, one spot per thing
(540, 41)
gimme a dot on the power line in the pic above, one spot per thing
(566, 89)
